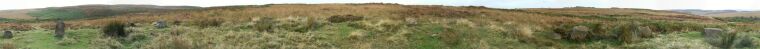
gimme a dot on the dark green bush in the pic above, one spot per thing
(115, 29)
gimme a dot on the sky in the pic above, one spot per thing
(647, 4)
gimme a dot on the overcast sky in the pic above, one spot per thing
(649, 4)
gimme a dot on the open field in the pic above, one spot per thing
(383, 26)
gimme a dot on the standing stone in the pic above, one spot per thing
(712, 35)
(60, 29)
(629, 34)
(579, 33)
(8, 34)
(646, 32)
(160, 24)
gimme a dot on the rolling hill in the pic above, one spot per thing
(84, 11)
(740, 14)
(704, 12)
(15, 14)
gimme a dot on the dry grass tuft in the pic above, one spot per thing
(8, 45)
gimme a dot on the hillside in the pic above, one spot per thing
(15, 14)
(748, 17)
(84, 11)
(749, 14)
(705, 12)
(382, 26)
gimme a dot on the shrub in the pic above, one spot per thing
(115, 29)
(730, 40)
(726, 40)
(264, 24)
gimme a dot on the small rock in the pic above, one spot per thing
(646, 32)
(160, 24)
(8, 34)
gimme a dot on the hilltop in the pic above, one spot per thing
(726, 15)
(382, 26)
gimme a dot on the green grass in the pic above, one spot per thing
(43, 39)
(741, 19)
(423, 38)
(692, 35)
(6, 20)
(344, 30)
(427, 42)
